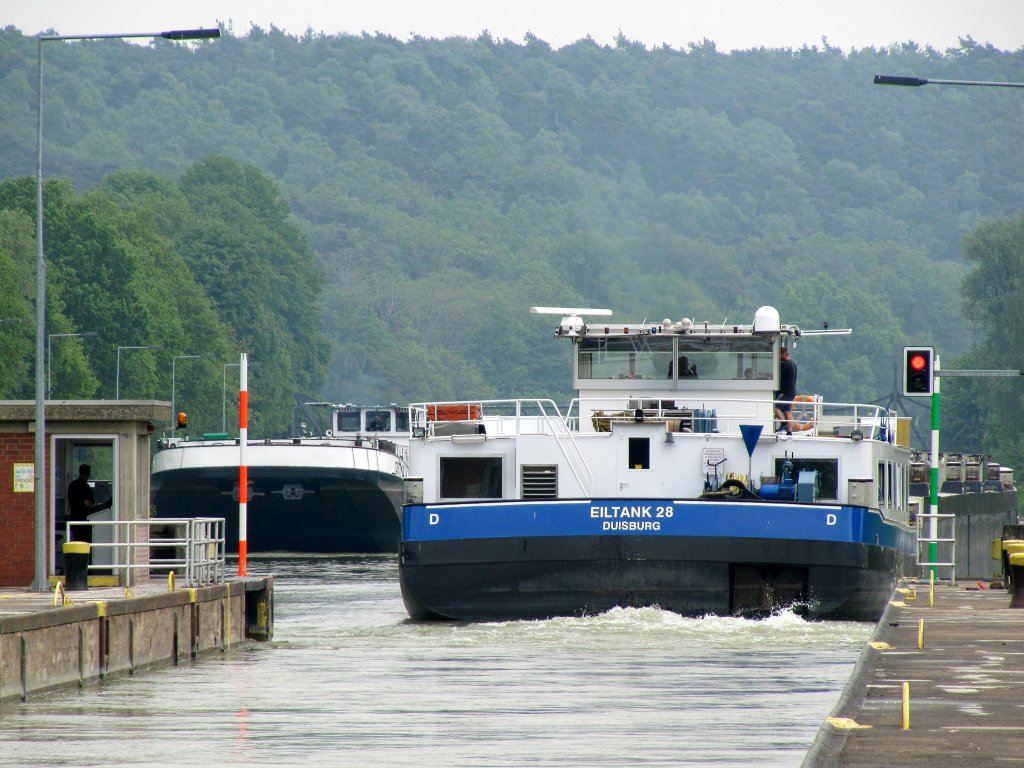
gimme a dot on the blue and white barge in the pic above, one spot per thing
(665, 482)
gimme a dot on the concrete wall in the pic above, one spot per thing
(80, 644)
(979, 519)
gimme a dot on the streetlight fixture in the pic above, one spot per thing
(40, 582)
(117, 380)
(919, 81)
(174, 361)
(49, 358)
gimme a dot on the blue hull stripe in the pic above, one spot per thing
(654, 517)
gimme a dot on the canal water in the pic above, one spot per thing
(349, 681)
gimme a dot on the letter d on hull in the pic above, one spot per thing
(434, 518)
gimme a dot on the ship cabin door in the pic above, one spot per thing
(69, 453)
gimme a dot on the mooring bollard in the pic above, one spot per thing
(76, 565)
(1016, 579)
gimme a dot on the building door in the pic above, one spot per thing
(69, 453)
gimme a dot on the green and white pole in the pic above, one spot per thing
(933, 520)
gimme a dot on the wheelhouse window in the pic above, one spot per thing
(470, 478)
(676, 358)
(723, 357)
(378, 421)
(625, 357)
(348, 421)
(402, 421)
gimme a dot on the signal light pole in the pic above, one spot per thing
(921, 375)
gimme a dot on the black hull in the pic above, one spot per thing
(538, 578)
(337, 510)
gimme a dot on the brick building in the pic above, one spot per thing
(111, 435)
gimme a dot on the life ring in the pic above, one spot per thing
(804, 416)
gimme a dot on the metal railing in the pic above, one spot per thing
(812, 414)
(502, 418)
(191, 547)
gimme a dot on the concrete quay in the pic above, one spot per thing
(50, 640)
(962, 660)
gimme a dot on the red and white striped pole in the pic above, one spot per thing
(243, 469)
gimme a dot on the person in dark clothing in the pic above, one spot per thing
(686, 368)
(81, 503)
(786, 393)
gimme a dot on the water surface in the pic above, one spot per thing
(349, 681)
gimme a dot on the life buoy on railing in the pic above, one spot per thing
(455, 412)
(804, 415)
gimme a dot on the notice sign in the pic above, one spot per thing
(24, 478)
(713, 457)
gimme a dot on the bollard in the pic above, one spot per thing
(920, 635)
(1016, 579)
(1008, 547)
(906, 706)
(76, 565)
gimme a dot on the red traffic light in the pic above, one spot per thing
(918, 371)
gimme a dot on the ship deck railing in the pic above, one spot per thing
(486, 419)
(812, 416)
(509, 418)
(193, 548)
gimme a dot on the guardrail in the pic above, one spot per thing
(191, 547)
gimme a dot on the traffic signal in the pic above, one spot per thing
(918, 371)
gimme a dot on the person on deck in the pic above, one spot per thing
(787, 392)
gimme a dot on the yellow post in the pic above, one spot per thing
(906, 706)
(931, 591)
(920, 635)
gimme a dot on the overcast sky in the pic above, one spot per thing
(731, 24)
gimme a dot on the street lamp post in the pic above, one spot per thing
(117, 379)
(49, 357)
(174, 361)
(40, 582)
(933, 507)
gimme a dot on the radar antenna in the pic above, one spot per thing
(571, 325)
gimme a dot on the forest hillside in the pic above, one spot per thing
(380, 214)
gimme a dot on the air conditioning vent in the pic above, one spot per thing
(539, 481)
